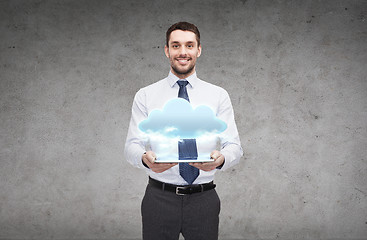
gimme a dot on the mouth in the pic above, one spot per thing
(183, 61)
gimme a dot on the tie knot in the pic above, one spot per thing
(182, 83)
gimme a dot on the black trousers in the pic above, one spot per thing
(165, 215)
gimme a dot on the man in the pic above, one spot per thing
(180, 198)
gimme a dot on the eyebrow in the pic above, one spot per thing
(190, 42)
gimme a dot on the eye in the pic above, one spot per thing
(190, 46)
(175, 46)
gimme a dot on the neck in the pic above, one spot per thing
(183, 76)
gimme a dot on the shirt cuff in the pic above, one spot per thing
(144, 164)
(228, 160)
(220, 166)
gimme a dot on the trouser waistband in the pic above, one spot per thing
(181, 190)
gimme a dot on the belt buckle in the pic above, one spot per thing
(177, 191)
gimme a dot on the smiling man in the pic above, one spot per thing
(182, 49)
(180, 197)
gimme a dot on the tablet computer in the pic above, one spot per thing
(187, 152)
(176, 160)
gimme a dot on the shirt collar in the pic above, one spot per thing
(172, 79)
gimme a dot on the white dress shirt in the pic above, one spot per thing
(155, 96)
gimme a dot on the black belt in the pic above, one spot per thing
(181, 190)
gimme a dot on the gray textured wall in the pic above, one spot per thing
(296, 73)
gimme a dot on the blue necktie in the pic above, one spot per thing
(187, 147)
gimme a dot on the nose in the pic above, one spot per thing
(183, 51)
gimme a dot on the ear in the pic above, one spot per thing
(199, 51)
(166, 51)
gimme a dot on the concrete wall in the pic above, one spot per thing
(296, 73)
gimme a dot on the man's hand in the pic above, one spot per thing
(209, 166)
(149, 159)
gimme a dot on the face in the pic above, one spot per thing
(182, 51)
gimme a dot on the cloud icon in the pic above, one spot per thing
(179, 119)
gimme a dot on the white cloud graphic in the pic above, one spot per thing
(178, 119)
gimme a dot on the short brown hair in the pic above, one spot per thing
(184, 26)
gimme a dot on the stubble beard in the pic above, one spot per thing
(182, 72)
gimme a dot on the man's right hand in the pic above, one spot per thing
(149, 159)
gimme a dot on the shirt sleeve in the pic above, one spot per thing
(135, 144)
(230, 142)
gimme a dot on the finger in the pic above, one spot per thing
(196, 164)
(151, 158)
(215, 155)
(206, 166)
(201, 166)
(161, 167)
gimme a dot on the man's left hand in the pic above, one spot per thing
(209, 166)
